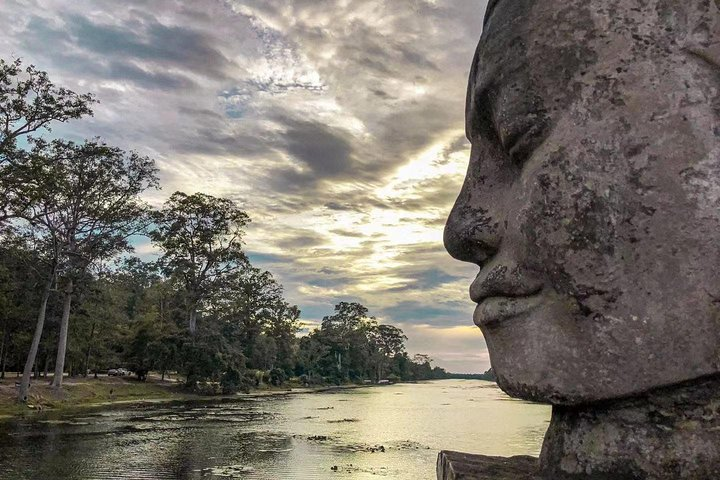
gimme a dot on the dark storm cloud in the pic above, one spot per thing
(209, 137)
(324, 152)
(322, 148)
(296, 239)
(153, 41)
(445, 314)
(139, 51)
(430, 279)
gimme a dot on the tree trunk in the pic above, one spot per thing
(89, 349)
(62, 340)
(25, 383)
(2, 347)
(47, 364)
(192, 323)
(3, 351)
(3, 359)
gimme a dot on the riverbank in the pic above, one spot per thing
(394, 432)
(104, 391)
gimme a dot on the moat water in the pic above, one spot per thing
(392, 432)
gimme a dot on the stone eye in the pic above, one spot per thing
(521, 141)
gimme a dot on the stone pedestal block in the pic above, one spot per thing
(463, 466)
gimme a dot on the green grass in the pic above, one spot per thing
(80, 393)
(83, 392)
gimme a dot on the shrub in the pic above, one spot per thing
(277, 376)
(233, 381)
(253, 377)
(207, 388)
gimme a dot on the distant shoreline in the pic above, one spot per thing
(82, 394)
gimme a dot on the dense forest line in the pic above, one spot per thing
(73, 298)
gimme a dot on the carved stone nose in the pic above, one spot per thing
(470, 235)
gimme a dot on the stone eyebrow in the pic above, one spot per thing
(489, 10)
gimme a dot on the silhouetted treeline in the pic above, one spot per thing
(489, 375)
(73, 299)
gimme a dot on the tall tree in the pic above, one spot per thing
(345, 333)
(386, 343)
(22, 269)
(283, 327)
(29, 102)
(86, 201)
(49, 249)
(253, 298)
(201, 237)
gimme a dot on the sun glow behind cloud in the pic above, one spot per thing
(337, 124)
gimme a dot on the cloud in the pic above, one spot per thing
(337, 124)
(437, 314)
(150, 41)
(323, 152)
(136, 52)
(459, 349)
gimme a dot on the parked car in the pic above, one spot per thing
(113, 372)
(118, 372)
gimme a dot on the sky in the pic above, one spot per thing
(337, 125)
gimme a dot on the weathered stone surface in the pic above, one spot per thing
(670, 433)
(462, 466)
(592, 200)
(592, 207)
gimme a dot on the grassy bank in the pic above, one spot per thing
(79, 392)
(104, 391)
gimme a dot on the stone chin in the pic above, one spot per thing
(556, 355)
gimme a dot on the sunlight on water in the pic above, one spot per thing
(393, 432)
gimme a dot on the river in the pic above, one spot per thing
(393, 432)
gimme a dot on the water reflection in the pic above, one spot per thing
(393, 432)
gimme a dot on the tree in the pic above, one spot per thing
(48, 254)
(21, 271)
(345, 332)
(386, 343)
(86, 205)
(201, 237)
(282, 327)
(29, 102)
(251, 300)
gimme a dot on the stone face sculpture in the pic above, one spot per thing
(592, 206)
